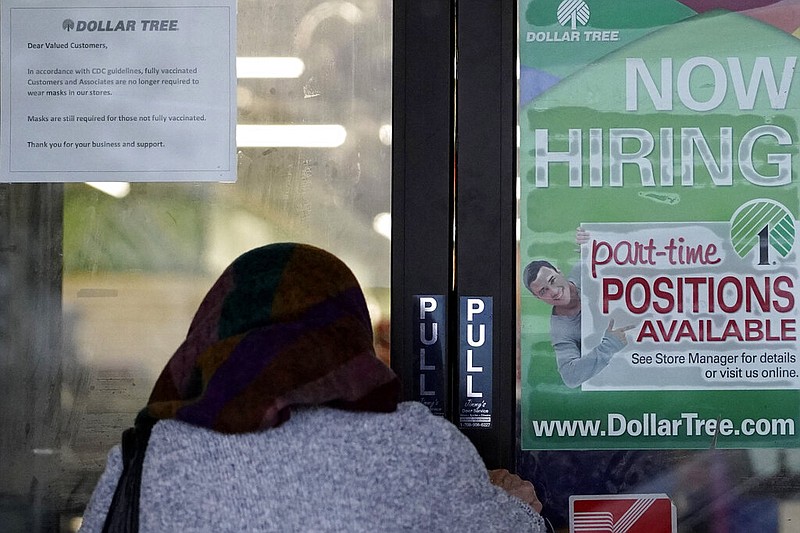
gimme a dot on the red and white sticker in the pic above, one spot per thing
(623, 513)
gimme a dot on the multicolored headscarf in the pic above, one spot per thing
(285, 325)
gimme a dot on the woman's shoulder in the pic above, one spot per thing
(411, 423)
(406, 412)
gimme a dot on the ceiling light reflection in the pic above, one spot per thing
(117, 189)
(269, 67)
(264, 136)
(385, 134)
(382, 224)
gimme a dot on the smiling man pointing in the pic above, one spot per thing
(547, 283)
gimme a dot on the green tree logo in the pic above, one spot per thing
(573, 12)
(763, 225)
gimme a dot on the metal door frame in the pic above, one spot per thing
(454, 189)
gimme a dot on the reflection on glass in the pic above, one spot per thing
(274, 136)
(269, 67)
(98, 281)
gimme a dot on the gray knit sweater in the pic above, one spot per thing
(325, 470)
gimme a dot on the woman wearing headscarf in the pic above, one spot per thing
(275, 415)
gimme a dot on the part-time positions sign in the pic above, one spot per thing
(106, 92)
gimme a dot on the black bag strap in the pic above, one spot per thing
(123, 514)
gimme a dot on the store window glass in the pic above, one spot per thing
(99, 281)
(635, 160)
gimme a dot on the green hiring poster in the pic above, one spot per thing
(659, 206)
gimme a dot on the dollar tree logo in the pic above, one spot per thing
(762, 225)
(573, 12)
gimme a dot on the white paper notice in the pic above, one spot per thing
(106, 92)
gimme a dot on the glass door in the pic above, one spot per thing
(658, 263)
(100, 279)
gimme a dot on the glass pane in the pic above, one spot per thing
(98, 283)
(636, 122)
